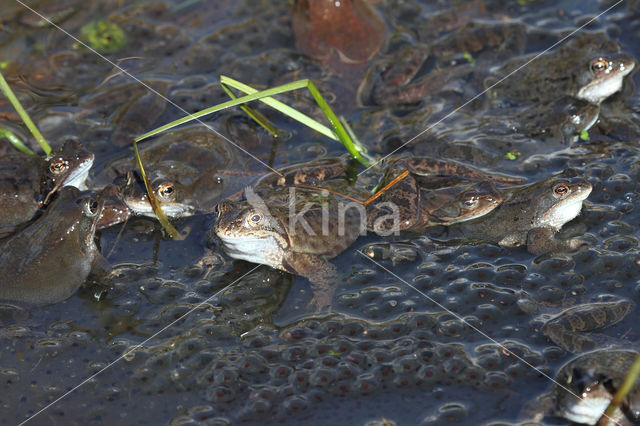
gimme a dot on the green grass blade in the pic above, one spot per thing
(255, 115)
(339, 133)
(244, 99)
(336, 125)
(282, 107)
(6, 90)
(15, 141)
(356, 142)
(162, 218)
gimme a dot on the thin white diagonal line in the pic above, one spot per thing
(491, 87)
(476, 329)
(151, 89)
(138, 346)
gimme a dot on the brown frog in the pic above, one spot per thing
(531, 215)
(294, 230)
(47, 261)
(569, 328)
(577, 70)
(392, 79)
(408, 207)
(436, 192)
(27, 182)
(190, 170)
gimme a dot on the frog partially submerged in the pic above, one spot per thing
(190, 170)
(47, 261)
(583, 72)
(571, 328)
(562, 119)
(435, 192)
(294, 231)
(531, 215)
(593, 379)
(394, 79)
(408, 207)
(27, 182)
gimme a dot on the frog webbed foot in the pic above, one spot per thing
(543, 241)
(322, 296)
(323, 280)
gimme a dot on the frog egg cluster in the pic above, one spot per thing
(279, 374)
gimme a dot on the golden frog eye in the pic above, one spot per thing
(560, 190)
(598, 65)
(58, 166)
(166, 191)
(91, 208)
(254, 219)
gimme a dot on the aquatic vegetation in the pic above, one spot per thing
(338, 133)
(6, 90)
(104, 36)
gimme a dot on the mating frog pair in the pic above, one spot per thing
(259, 229)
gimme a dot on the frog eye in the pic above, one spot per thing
(166, 191)
(598, 65)
(58, 166)
(470, 202)
(560, 190)
(254, 219)
(91, 208)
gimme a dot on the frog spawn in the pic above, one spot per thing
(491, 250)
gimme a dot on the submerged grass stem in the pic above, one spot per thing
(162, 218)
(6, 90)
(15, 141)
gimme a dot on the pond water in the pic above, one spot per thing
(251, 350)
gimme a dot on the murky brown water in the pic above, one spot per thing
(255, 352)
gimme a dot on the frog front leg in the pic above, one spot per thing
(321, 274)
(542, 241)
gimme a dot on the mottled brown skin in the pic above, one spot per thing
(406, 206)
(277, 237)
(567, 71)
(20, 197)
(531, 215)
(390, 81)
(47, 261)
(429, 170)
(561, 119)
(311, 173)
(28, 181)
(569, 327)
(190, 170)
(115, 209)
(432, 194)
